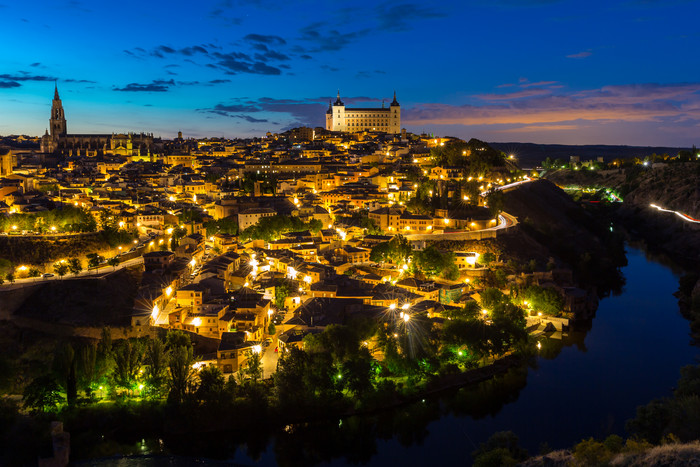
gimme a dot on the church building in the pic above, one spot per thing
(58, 140)
(340, 118)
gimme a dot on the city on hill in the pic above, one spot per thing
(288, 277)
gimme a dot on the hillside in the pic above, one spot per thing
(80, 302)
(672, 186)
(571, 234)
(530, 155)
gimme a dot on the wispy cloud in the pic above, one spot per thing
(269, 40)
(398, 17)
(584, 54)
(630, 103)
(327, 40)
(158, 85)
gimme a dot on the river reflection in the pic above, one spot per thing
(584, 384)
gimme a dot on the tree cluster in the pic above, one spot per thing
(271, 228)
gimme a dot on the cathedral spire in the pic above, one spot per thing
(394, 102)
(55, 91)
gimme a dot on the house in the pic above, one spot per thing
(234, 350)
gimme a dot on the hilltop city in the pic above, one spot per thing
(342, 268)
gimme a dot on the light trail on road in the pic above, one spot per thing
(685, 217)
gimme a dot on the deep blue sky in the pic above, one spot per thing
(549, 71)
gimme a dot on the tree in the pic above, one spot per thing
(434, 262)
(470, 310)
(212, 387)
(156, 360)
(176, 338)
(493, 298)
(10, 277)
(487, 258)
(502, 448)
(357, 373)
(397, 250)
(281, 294)
(546, 300)
(34, 272)
(113, 261)
(87, 368)
(127, 363)
(496, 201)
(271, 329)
(181, 373)
(65, 365)
(42, 394)
(94, 260)
(60, 268)
(253, 369)
(290, 378)
(74, 265)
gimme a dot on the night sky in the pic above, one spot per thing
(547, 71)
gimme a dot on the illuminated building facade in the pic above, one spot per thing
(340, 118)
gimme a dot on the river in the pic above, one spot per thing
(589, 384)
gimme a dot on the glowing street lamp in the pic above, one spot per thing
(406, 318)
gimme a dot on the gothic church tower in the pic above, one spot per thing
(57, 122)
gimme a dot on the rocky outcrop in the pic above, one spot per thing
(675, 454)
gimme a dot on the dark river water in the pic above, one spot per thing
(587, 384)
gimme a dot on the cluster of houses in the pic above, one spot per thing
(228, 288)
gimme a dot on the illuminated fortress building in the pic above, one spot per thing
(340, 118)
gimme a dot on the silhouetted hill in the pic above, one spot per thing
(530, 155)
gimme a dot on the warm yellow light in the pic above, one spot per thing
(53, 228)
(169, 230)
(257, 349)
(406, 317)
(392, 306)
(171, 198)
(485, 311)
(193, 262)
(197, 321)
(169, 291)
(405, 306)
(156, 310)
(14, 227)
(22, 268)
(447, 221)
